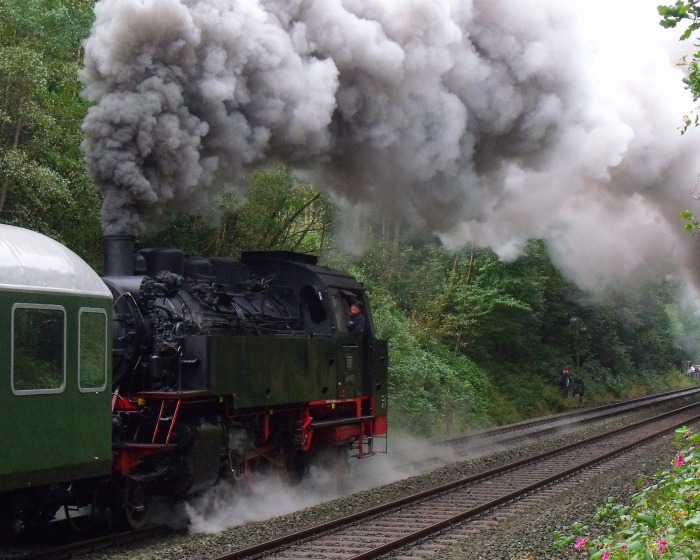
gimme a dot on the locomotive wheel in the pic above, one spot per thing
(134, 504)
(334, 460)
(296, 465)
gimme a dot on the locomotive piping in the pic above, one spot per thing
(118, 251)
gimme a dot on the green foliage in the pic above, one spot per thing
(431, 390)
(32, 373)
(472, 302)
(512, 324)
(691, 224)
(43, 184)
(663, 520)
(686, 13)
(478, 303)
(279, 213)
(679, 12)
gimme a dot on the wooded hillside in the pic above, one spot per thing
(473, 340)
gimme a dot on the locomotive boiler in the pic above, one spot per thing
(197, 370)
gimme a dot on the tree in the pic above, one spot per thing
(279, 212)
(43, 183)
(683, 12)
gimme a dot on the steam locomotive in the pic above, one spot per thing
(172, 373)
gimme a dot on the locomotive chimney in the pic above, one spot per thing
(118, 255)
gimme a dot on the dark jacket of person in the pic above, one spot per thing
(356, 325)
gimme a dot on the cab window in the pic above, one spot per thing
(340, 311)
(38, 352)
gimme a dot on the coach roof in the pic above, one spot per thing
(34, 262)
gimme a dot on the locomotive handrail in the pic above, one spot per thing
(143, 445)
(172, 394)
(340, 422)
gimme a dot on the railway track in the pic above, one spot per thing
(518, 432)
(390, 527)
(564, 421)
(82, 547)
(475, 444)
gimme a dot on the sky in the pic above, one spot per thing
(484, 122)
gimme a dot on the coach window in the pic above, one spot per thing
(93, 350)
(38, 348)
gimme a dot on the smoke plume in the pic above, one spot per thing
(482, 121)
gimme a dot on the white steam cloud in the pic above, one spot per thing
(231, 504)
(483, 121)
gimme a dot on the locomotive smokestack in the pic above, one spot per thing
(118, 255)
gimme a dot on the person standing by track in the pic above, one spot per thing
(564, 382)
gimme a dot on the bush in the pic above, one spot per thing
(663, 521)
(431, 390)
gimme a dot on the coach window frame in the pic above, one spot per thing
(81, 339)
(62, 347)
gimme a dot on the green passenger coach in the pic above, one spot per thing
(55, 372)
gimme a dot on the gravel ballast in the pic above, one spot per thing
(525, 535)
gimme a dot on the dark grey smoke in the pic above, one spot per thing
(485, 121)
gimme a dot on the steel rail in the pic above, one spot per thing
(267, 548)
(106, 541)
(91, 545)
(586, 415)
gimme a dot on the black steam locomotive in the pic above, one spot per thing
(219, 368)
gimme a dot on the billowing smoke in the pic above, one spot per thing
(483, 121)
